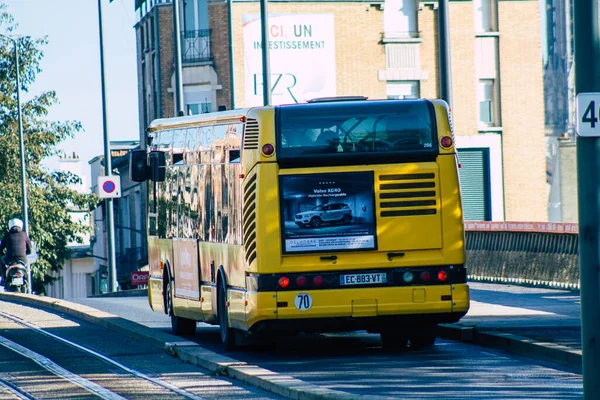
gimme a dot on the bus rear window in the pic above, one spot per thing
(382, 126)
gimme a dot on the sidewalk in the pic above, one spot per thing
(531, 322)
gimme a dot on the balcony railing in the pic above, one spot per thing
(195, 46)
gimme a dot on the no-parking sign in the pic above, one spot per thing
(109, 187)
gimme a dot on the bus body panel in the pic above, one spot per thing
(187, 308)
(155, 280)
(261, 306)
(209, 303)
(460, 297)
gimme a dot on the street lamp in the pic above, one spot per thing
(24, 211)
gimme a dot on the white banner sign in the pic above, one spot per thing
(302, 58)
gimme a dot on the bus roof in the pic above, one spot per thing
(192, 120)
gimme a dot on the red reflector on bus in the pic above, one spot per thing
(446, 142)
(268, 149)
(425, 276)
(283, 282)
(242, 119)
(318, 280)
(301, 281)
(442, 276)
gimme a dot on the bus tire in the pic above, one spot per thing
(424, 337)
(179, 325)
(228, 334)
(393, 340)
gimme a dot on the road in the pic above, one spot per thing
(356, 363)
(34, 364)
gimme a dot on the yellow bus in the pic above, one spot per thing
(338, 214)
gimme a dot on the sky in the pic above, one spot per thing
(71, 67)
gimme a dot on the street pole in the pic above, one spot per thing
(179, 102)
(108, 203)
(445, 65)
(587, 80)
(24, 206)
(266, 70)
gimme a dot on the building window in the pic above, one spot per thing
(198, 108)
(400, 19)
(403, 90)
(485, 16)
(487, 102)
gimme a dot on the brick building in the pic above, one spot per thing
(378, 49)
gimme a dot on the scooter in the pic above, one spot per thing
(16, 277)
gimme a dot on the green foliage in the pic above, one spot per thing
(50, 194)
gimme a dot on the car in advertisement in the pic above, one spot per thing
(328, 213)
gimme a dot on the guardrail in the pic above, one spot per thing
(530, 253)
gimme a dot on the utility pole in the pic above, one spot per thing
(444, 43)
(587, 89)
(108, 203)
(179, 102)
(266, 70)
(24, 205)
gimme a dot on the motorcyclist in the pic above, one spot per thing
(17, 246)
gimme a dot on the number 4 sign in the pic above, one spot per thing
(588, 112)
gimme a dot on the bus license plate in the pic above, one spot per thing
(363, 279)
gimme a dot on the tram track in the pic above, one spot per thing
(91, 387)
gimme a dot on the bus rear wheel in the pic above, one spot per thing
(424, 337)
(393, 340)
(179, 325)
(227, 333)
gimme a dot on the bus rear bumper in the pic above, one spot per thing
(346, 324)
(369, 309)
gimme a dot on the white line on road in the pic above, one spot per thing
(56, 369)
(132, 371)
(14, 391)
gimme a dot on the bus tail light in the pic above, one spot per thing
(268, 149)
(301, 280)
(442, 276)
(283, 282)
(318, 280)
(425, 276)
(446, 142)
(408, 276)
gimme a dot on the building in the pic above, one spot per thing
(129, 220)
(378, 49)
(78, 276)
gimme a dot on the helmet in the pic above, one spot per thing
(15, 222)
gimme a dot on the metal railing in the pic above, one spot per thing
(195, 46)
(538, 254)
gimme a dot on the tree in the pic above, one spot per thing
(50, 193)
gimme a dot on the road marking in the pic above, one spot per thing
(57, 370)
(104, 358)
(15, 391)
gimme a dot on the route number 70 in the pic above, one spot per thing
(588, 112)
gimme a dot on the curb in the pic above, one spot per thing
(217, 364)
(514, 344)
